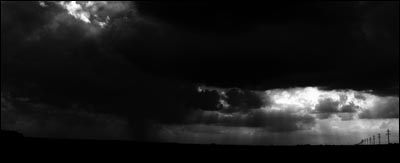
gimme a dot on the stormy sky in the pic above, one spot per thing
(225, 73)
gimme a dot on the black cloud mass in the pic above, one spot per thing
(338, 45)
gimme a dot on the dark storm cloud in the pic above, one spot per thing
(179, 45)
(379, 28)
(176, 46)
(243, 100)
(280, 45)
(205, 100)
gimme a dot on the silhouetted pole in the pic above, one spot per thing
(373, 138)
(370, 140)
(379, 138)
(388, 135)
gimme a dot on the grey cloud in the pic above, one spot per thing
(359, 96)
(386, 108)
(282, 121)
(346, 116)
(323, 115)
(329, 107)
(350, 108)
(343, 97)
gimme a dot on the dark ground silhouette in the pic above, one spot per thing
(9, 134)
(12, 141)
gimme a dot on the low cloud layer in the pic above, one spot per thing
(274, 121)
(287, 110)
